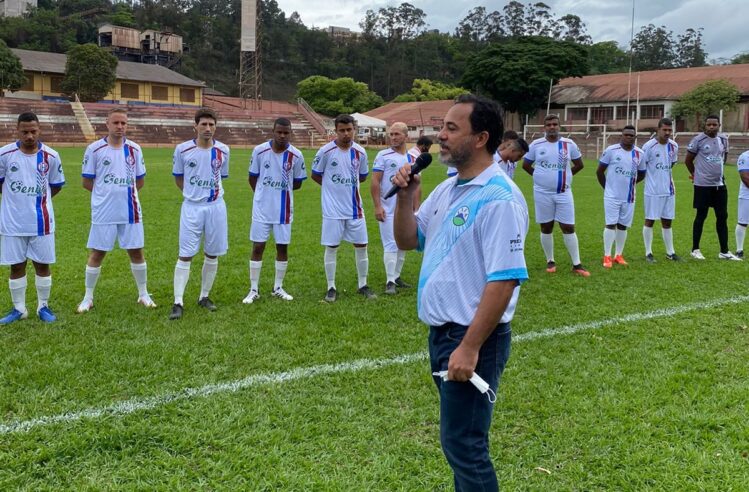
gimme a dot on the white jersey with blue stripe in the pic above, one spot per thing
(114, 199)
(273, 201)
(388, 162)
(341, 170)
(471, 234)
(657, 161)
(202, 169)
(552, 172)
(621, 172)
(26, 180)
(743, 167)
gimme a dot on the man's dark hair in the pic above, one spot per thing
(510, 135)
(424, 140)
(486, 116)
(629, 127)
(27, 117)
(205, 113)
(344, 119)
(550, 117)
(521, 144)
(281, 122)
(665, 121)
(712, 117)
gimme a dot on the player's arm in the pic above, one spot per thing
(744, 175)
(405, 228)
(180, 182)
(577, 165)
(139, 182)
(375, 188)
(689, 162)
(253, 181)
(640, 176)
(88, 183)
(601, 174)
(54, 190)
(528, 166)
(417, 198)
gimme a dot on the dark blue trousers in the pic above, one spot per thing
(466, 414)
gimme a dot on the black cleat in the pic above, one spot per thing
(331, 296)
(650, 258)
(367, 292)
(207, 303)
(390, 288)
(176, 312)
(401, 284)
(673, 257)
(740, 254)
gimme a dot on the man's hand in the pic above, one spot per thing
(380, 214)
(462, 363)
(407, 184)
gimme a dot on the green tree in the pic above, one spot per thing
(689, 49)
(11, 71)
(517, 73)
(89, 72)
(653, 48)
(708, 98)
(740, 58)
(607, 57)
(428, 90)
(332, 97)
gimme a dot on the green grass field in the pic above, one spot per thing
(645, 388)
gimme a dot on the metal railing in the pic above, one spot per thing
(312, 117)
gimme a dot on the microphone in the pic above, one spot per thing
(422, 162)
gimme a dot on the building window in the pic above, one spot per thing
(599, 116)
(651, 112)
(55, 84)
(577, 114)
(29, 85)
(621, 112)
(129, 91)
(159, 92)
(187, 94)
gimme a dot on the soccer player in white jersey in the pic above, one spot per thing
(276, 169)
(114, 172)
(619, 169)
(338, 168)
(743, 218)
(472, 231)
(423, 144)
(200, 165)
(510, 140)
(659, 156)
(30, 175)
(552, 161)
(386, 164)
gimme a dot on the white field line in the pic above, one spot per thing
(141, 404)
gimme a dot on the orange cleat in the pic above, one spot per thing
(607, 262)
(579, 270)
(619, 259)
(551, 267)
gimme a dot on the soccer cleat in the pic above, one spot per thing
(85, 306)
(46, 315)
(176, 312)
(400, 283)
(282, 294)
(331, 296)
(650, 258)
(551, 267)
(740, 254)
(673, 257)
(579, 270)
(697, 254)
(619, 259)
(13, 316)
(728, 256)
(146, 301)
(207, 303)
(252, 296)
(390, 288)
(607, 262)
(367, 292)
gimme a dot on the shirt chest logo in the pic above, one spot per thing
(106, 162)
(13, 167)
(461, 217)
(192, 164)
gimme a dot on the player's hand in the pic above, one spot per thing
(380, 214)
(462, 364)
(405, 182)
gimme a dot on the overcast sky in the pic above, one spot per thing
(724, 21)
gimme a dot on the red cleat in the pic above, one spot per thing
(607, 262)
(551, 267)
(619, 259)
(579, 270)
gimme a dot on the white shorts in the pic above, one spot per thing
(660, 207)
(558, 207)
(16, 249)
(203, 219)
(260, 232)
(743, 211)
(387, 236)
(618, 212)
(351, 230)
(102, 236)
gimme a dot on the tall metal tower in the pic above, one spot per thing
(250, 68)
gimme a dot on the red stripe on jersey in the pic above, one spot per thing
(101, 147)
(189, 148)
(10, 151)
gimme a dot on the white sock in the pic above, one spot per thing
(391, 262)
(43, 288)
(181, 275)
(281, 267)
(330, 264)
(570, 241)
(210, 267)
(668, 240)
(740, 235)
(621, 238)
(18, 293)
(547, 243)
(609, 235)
(399, 263)
(255, 267)
(362, 265)
(140, 274)
(92, 276)
(647, 237)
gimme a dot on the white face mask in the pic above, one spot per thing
(477, 381)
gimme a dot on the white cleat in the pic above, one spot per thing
(146, 301)
(697, 254)
(282, 294)
(728, 256)
(85, 306)
(251, 297)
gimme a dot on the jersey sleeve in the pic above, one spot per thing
(56, 176)
(575, 151)
(89, 163)
(318, 165)
(694, 147)
(605, 158)
(379, 164)
(300, 171)
(423, 215)
(140, 165)
(225, 164)
(363, 164)
(642, 165)
(676, 154)
(502, 230)
(530, 156)
(178, 166)
(254, 170)
(742, 164)
(3, 166)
